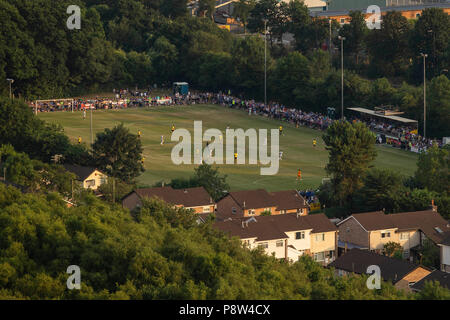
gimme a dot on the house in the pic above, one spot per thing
(401, 273)
(442, 277)
(372, 230)
(444, 248)
(286, 236)
(196, 199)
(244, 204)
(90, 177)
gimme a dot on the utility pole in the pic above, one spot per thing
(424, 55)
(342, 76)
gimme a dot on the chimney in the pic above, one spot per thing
(210, 200)
(185, 191)
(242, 224)
(244, 205)
(433, 206)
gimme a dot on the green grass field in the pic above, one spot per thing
(296, 144)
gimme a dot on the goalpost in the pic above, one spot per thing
(52, 100)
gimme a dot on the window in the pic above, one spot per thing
(283, 211)
(90, 183)
(342, 20)
(320, 256)
(438, 229)
(404, 236)
(406, 254)
(320, 237)
(417, 15)
(206, 209)
(280, 243)
(233, 210)
(300, 235)
(251, 212)
(263, 245)
(385, 234)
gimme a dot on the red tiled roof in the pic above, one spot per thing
(357, 261)
(252, 199)
(274, 227)
(429, 222)
(287, 200)
(190, 197)
(374, 220)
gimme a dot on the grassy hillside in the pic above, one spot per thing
(296, 144)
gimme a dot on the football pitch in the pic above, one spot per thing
(154, 122)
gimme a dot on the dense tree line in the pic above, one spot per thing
(159, 253)
(141, 43)
(355, 186)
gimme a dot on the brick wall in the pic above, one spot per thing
(351, 231)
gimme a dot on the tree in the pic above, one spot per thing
(174, 8)
(206, 7)
(431, 35)
(433, 169)
(17, 167)
(430, 255)
(248, 65)
(438, 96)
(268, 10)
(351, 150)
(380, 191)
(119, 153)
(355, 33)
(382, 92)
(164, 55)
(242, 10)
(214, 183)
(388, 47)
(299, 24)
(290, 80)
(392, 248)
(432, 290)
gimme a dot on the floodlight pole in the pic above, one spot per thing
(10, 87)
(92, 136)
(424, 55)
(265, 62)
(342, 76)
(329, 49)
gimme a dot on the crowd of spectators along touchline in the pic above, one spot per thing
(402, 136)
